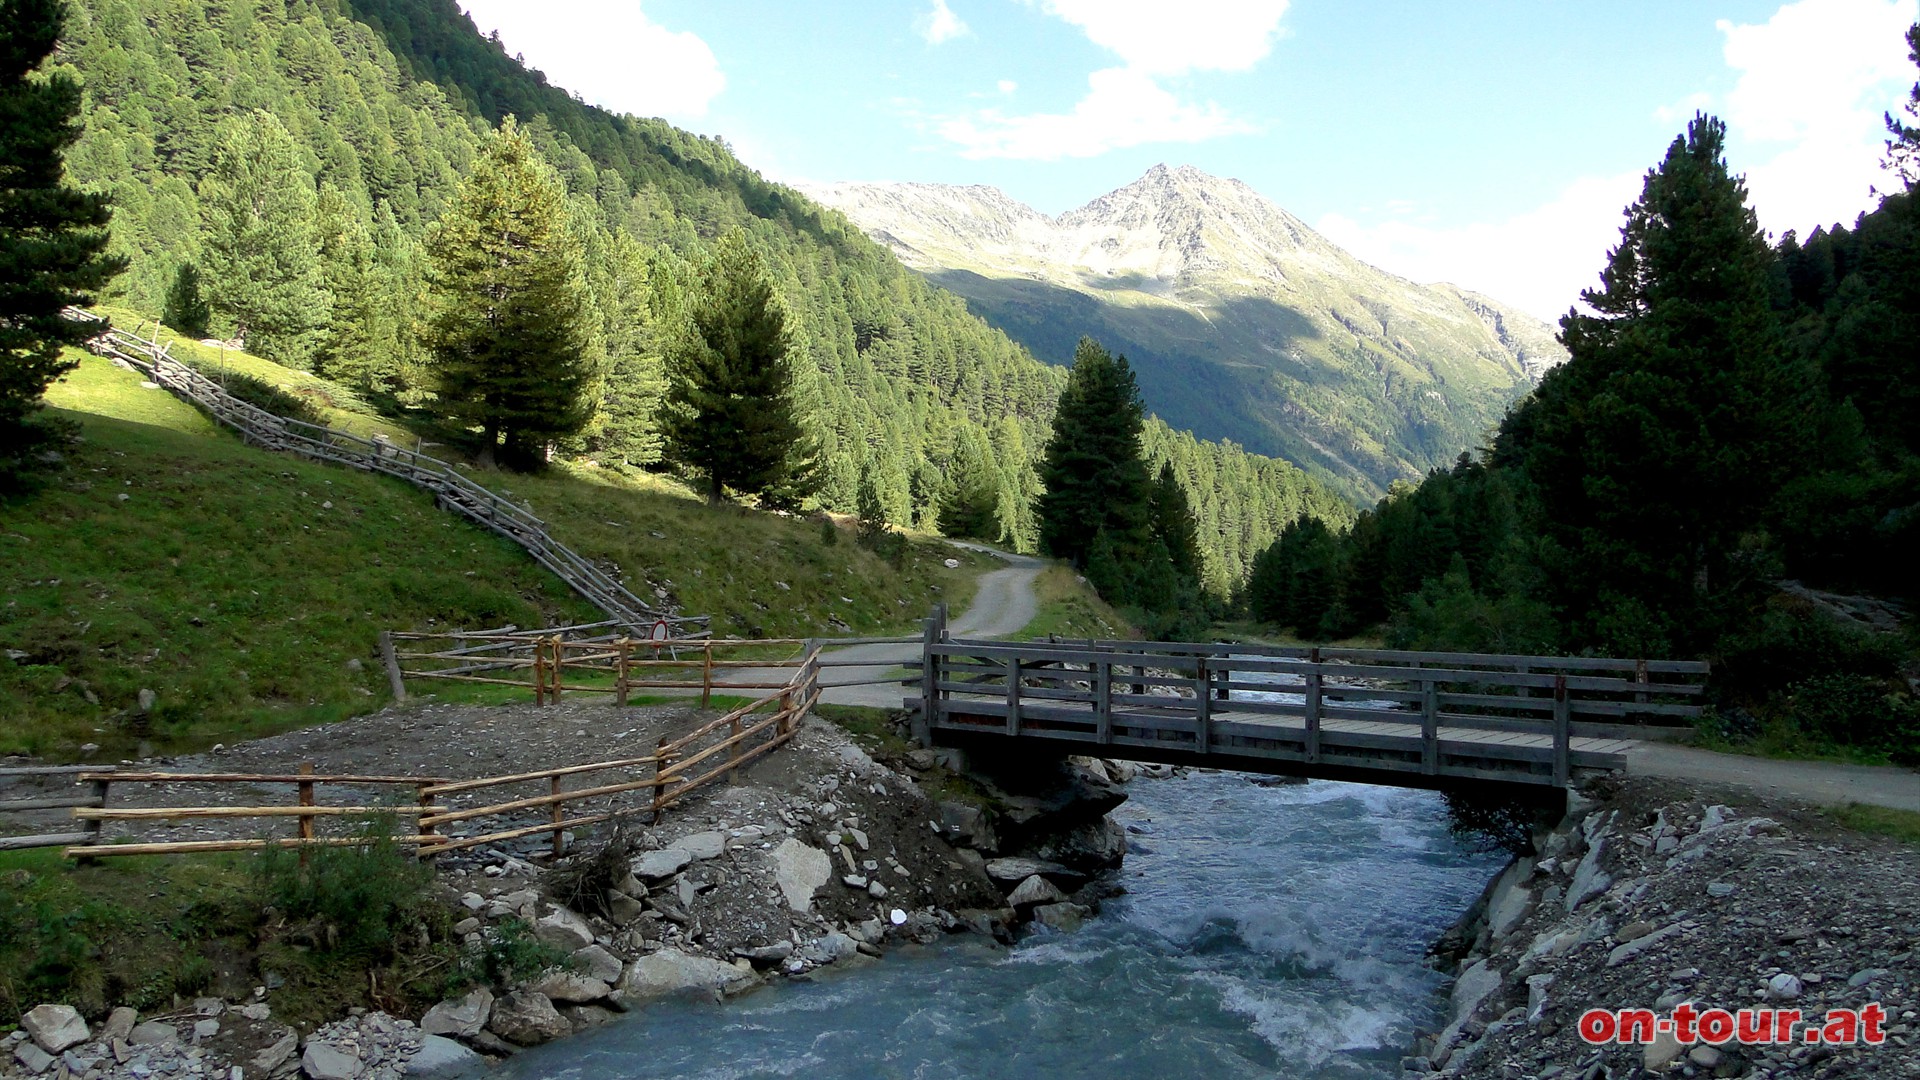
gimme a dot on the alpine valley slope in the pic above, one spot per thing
(1242, 322)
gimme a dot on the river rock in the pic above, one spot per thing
(967, 826)
(1065, 918)
(832, 948)
(702, 845)
(1661, 1052)
(324, 1061)
(1784, 987)
(570, 987)
(439, 1056)
(564, 930)
(53, 1028)
(662, 864)
(1472, 987)
(275, 1055)
(119, 1024)
(32, 1058)
(1090, 846)
(527, 1018)
(765, 955)
(595, 962)
(671, 972)
(623, 909)
(153, 1033)
(1017, 869)
(1625, 952)
(800, 870)
(1035, 890)
(463, 1016)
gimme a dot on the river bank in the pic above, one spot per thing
(1651, 893)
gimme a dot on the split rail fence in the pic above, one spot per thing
(451, 490)
(439, 814)
(596, 658)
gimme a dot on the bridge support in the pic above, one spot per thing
(934, 632)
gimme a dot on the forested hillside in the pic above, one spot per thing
(359, 121)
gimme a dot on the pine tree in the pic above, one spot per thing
(1094, 475)
(507, 329)
(636, 378)
(261, 260)
(730, 414)
(1679, 415)
(186, 309)
(349, 347)
(1173, 524)
(53, 237)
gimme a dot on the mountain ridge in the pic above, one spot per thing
(1211, 287)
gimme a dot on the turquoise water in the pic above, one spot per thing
(1266, 932)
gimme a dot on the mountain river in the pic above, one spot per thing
(1266, 931)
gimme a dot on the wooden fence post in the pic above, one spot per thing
(1562, 732)
(1429, 727)
(620, 673)
(1640, 676)
(558, 665)
(306, 820)
(934, 629)
(559, 814)
(1313, 707)
(539, 673)
(392, 662)
(659, 770)
(706, 677)
(423, 797)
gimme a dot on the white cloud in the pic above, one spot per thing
(609, 52)
(1007, 86)
(1163, 38)
(1814, 82)
(1129, 105)
(1123, 107)
(940, 24)
(1537, 261)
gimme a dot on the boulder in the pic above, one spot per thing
(800, 870)
(702, 845)
(1088, 846)
(671, 972)
(527, 1018)
(967, 826)
(596, 962)
(53, 1028)
(439, 1056)
(661, 864)
(766, 955)
(1472, 987)
(832, 948)
(1589, 880)
(624, 908)
(1035, 890)
(570, 987)
(119, 1024)
(1784, 987)
(324, 1061)
(463, 1016)
(564, 930)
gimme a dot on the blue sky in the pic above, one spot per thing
(1491, 144)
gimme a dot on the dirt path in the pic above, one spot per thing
(1004, 603)
(1820, 782)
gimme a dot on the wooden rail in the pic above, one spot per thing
(554, 663)
(451, 490)
(1408, 718)
(666, 776)
(95, 796)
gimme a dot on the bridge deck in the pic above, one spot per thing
(1377, 716)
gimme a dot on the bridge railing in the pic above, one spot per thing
(1209, 697)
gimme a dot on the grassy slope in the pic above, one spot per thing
(225, 584)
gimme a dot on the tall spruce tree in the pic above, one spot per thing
(53, 237)
(507, 330)
(1652, 450)
(1174, 525)
(1093, 472)
(731, 416)
(262, 255)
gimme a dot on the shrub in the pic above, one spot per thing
(354, 900)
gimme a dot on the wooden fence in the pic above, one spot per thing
(96, 796)
(434, 806)
(451, 489)
(587, 659)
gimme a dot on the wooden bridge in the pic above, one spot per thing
(1410, 719)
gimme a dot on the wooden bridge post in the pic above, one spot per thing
(1203, 705)
(1640, 676)
(1313, 707)
(1103, 701)
(1013, 695)
(1429, 727)
(1139, 671)
(933, 631)
(1562, 732)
